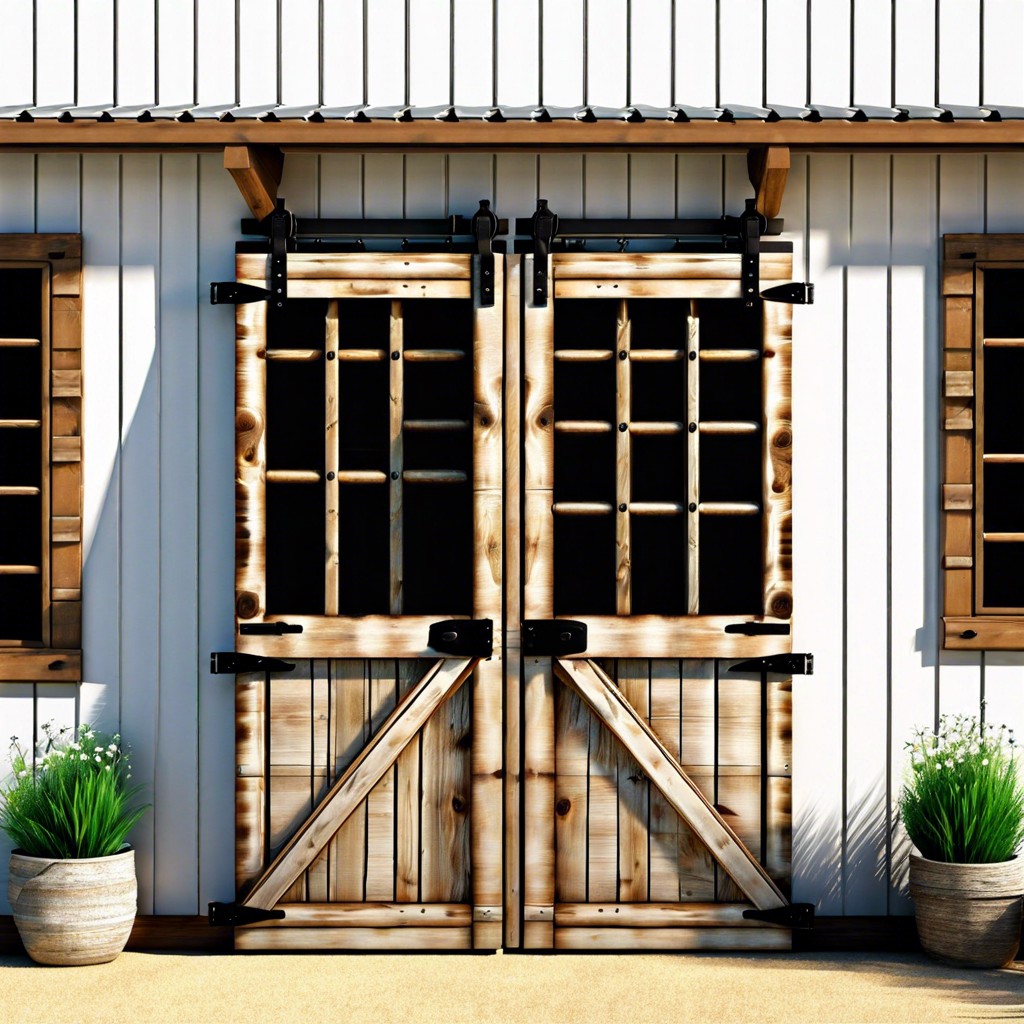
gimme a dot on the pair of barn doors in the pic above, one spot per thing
(617, 456)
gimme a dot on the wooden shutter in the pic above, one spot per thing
(40, 458)
(983, 442)
(369, 505)
(656, 448)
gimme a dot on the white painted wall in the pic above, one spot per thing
(159, 359)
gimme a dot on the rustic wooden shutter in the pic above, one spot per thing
(656, 441)
(369, 506)
(983, 445)
(40, 458)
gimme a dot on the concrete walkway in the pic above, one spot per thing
(139, 988)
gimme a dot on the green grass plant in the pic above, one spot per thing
(963, 801)
(72, 799)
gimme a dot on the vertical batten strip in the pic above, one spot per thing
(693, 460)
(623, 479)
(488, 525)
(538, 677)
(332, 489)
(397, 396)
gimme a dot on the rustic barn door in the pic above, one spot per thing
(656, 511)
(370, 507)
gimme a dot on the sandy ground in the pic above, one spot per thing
(412, 988)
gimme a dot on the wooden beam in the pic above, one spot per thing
(658, 764)
(380, 753)
(381, 135)
(768, 167)
(257, 173)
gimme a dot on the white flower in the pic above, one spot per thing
(106, 768)
(89, 735)
(75, 746)
(984, 760)
(83, 757)
(949, 764)
(110, 753)
(98, 759)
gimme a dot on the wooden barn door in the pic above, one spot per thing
(656, 507)
(369, 507)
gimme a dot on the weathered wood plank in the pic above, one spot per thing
(693, 460)
(380, 939)
(652, 915)
(539, 792)
(370, 915)
(764, 938)
(656, 636)
(256, 171)
(571, 815)
(396, 456)
(331, 454)
(633, 677)
(407, 823)
(364, 265)
(662, 267)
(380, 803)
(486, 793)
(361, 776)
(623, 471)
(604, 699)
(768, 168)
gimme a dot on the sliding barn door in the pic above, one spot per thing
(656, 512)
(369, 506)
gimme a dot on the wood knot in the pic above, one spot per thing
(247, 604)
(563, 807)
(783, 439)
(245, 420)
(782, 606)
(458, 804)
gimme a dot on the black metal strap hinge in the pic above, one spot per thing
(792, 915)
(783, 664)
(232, 293)
(485, 227)
(282, 233)
(268, 628)
(554, 637)
(544, 227)
(463, 637)
(231, 914)
(797, 293)
(759, 628)
(230, 662)
(750, 261)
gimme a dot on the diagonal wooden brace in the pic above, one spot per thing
(442, 679)
(257, 172)
(612, 708)
(767, 167)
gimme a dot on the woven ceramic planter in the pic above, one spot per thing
(72, 912)
(968, 915)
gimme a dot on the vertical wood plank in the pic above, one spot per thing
(913, 448)
(1004, 188)
(17, 194)
(220, 207)
(407, 785)
(652, 185)
(665, 720)
(470, 179)
(396, 456)
(623, 472)
(446, 782)
(1004, 689)
(512, 414)
(693, 459)
(16, 712)
(350, 727)
(817, 557)
(318, 873)
(605, 185)
(331, 455)
(867, 527)
(560, 181)
(177, 784)
(539, 791)
(380, 804)
(634, 792)
(140, 487)
(57, 177)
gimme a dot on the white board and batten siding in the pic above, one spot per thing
(159, 494)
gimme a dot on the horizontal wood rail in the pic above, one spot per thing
(656, 355)
(728, 508)
(19, 570)
(582, 355)
(293, 476)
(17, 491)
(361, 355)
(582, 508)
(362, 476)
(729, 355)
(19, 342)
(293, 355)
(433, 355)
(729, 428)
(657, 508)
(434, 476)
(656, 427)
(1003, 342)
(583, 427)
(1003, 457)
(1003, 538)
(435, 426)
(19, 424)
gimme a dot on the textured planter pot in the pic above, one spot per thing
(72, 912)
(968, 915)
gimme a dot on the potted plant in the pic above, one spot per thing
(68, 812)
(963, 808)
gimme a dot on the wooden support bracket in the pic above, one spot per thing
(767, 167)
(257, 173)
